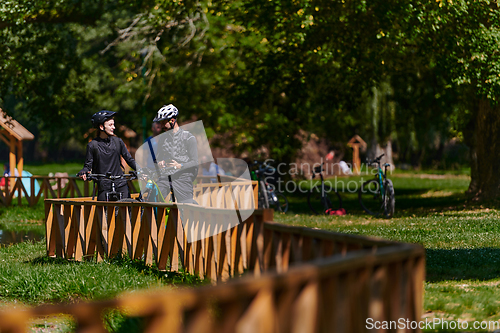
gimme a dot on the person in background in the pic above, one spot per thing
(5, 174)
(209, 168)
(156, 128)
(153, 142)
(343, 166)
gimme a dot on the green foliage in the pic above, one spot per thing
(256, 72)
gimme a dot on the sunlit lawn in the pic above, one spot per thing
(462, 248)
(462, 240)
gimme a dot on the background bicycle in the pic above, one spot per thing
(322, 198)
(268, 197)
(377, 196)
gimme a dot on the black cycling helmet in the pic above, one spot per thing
(100, 117)
(166, 112)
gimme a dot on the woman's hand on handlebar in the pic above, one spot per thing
(83, 175)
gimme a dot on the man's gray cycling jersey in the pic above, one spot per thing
(181, 147)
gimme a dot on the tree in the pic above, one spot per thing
(462, 38)
(260, 71)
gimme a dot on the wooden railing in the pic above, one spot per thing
(333, 294)
(67, 187)
(301, 279)
(222, 195)
(50, 187)
(219, 178)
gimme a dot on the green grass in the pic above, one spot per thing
(462, 241)
(23, 218)
(45, 169)
(29, 276)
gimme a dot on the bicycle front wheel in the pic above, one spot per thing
(370, 197)
(390, 206)
(263, 199)
(281, 203)
(319, 204)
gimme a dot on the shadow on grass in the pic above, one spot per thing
(408, 202)
(180, 277)
(462, 264)
(45, 260)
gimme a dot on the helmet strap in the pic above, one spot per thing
(172, 124)
(102, 133)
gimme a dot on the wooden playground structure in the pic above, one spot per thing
(13, 134)
(266, 277)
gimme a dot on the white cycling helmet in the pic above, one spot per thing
(166, 112)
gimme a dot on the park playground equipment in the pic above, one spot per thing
(266, 277)
(13, 134)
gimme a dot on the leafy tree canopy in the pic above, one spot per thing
(255, 71)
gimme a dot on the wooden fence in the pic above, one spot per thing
(222, 195)
(50, 187)
(67, 187)
(299, 279)
(81, 228)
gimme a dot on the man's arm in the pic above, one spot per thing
(192, 152)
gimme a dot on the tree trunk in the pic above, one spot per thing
(375, 150)
(485, 152)
(379, 106)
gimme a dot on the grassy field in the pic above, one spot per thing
(462, 240)
(462, 244)
(45, 169)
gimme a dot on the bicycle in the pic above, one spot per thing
(318, 198)
(377, 196)
(150, 191)
(266, 195)
(111, 195)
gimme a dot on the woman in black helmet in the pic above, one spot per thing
(103, 155)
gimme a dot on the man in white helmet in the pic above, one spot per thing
(178, 151)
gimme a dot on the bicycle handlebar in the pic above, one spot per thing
(317, 170)
(97, 176)
(374, 161)
(147, 173)
(263, 167)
